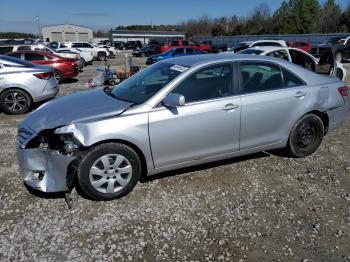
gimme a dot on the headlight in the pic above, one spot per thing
(69, 143)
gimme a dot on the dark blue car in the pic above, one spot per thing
(175, 52)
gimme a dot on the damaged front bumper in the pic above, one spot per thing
(44, 170)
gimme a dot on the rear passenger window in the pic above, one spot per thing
(291, 80)
(260, 77)
(32, 57)
(209, 83)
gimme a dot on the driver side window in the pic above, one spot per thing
(209, 83)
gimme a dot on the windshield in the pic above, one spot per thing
(147, 82)
(250, 52)
(169, 52)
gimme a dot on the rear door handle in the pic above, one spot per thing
(300, 94)
(229, 107)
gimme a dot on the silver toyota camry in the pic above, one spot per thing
(177, 113)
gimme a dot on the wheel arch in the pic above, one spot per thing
(18, 88)
(140, 154)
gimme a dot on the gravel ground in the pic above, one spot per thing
(257, 208)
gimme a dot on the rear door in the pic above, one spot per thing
(206, 126)
(271, 98)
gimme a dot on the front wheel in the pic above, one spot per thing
(306, 136)
(109, 171)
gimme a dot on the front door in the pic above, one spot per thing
(2, 75)
(207, 125)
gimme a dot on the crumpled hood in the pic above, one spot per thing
(77, 107)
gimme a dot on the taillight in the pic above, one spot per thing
(344, 90)
(72, 63)
(44, 76)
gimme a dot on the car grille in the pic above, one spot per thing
(23, 136)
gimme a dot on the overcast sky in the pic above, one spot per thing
(19, 15)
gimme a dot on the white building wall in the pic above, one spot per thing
(67, 33)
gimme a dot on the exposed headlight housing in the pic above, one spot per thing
(69, 143)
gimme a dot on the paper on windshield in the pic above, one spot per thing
(179, 68)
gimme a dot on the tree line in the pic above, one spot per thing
(15, 35)
(292, 17)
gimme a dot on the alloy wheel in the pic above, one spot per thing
(15, 102)
(110, 173)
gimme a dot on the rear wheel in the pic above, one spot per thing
(340, 74)
(101, 56)
(15, 101)
(83, 62)
(58, 76)
(306, 136)
(109, 171)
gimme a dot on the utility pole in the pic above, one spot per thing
(38, 23)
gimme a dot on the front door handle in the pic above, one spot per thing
(300, 94)
(229, 107)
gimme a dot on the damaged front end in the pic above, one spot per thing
(46, 159)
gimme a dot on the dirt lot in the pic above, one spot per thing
(257, 208)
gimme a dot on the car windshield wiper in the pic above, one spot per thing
(108, 90)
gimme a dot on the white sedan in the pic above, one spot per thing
(299, 57)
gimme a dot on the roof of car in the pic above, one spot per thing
(34, 52)
(268, 48)
(197, 60)
(206, 58)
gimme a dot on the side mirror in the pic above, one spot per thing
(174, 100)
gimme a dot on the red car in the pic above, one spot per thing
(64, 68)
(185, 43)
(302, 45)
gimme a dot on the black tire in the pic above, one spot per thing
(92, 158)
(15, 101)
(306, 136)
(340, 74)
(83, 62)
(101, 56)
(58, 76)
(112, 82)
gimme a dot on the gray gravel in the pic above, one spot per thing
(257, 208)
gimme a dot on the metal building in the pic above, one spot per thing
(67, 33)
(144, 36)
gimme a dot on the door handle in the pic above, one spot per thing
(229, 107)
(300, 94)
